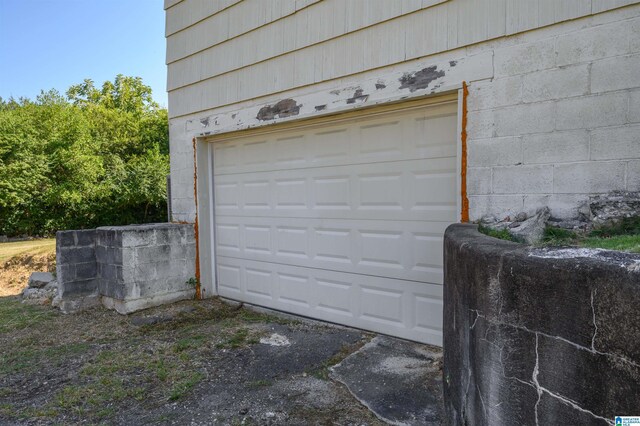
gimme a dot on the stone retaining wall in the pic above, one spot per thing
(538, 336)
(127, 268)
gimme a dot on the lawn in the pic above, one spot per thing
(19, 259)
(31, 247)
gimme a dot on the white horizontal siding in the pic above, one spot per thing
(184, 13)
(276, 48)
(327, 19)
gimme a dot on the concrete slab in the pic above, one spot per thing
(399, 381)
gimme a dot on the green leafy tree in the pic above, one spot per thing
(95, 157)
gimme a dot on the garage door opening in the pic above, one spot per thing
(339, 219)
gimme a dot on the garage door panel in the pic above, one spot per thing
(367, 191)
(402, 136)
(341, 221)
(403, 249)
(405, 309)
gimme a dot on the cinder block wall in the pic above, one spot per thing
(127, 268)
(76, 269)
(559, 121)
(145, 265)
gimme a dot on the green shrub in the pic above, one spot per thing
(93, 157)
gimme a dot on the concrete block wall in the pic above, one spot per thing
(559, 121)
(553, 114)
(127, 268)
(76, 269)
(145, 265)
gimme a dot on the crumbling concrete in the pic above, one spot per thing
(611, 208)
(41, 290)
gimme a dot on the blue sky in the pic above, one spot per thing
(47, 44)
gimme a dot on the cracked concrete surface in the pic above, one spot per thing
(546, 339)
(400, 381)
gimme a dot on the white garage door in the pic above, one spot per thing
(341, 221)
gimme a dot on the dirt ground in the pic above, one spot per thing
(19, 259)
(188, 363)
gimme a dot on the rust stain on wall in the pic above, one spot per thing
(195, 225)
(464, 213)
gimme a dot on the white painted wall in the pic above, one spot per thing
(554, 112)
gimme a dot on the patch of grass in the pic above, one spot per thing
(17, 316)
(247, 315)
(622, 236)
(629, 243)
(32, 247)
(31, 358)
(238, 339)
(502, 234)
(7, 410)
(558, 237)
(184, 384)
(127, 374)
(627, 226)
(188, 343)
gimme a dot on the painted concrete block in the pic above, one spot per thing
(556, 84)
(633, 175)
(481, 124)
(525, 118)
(494, 152)
(593, 43)
(613, 143)
(589, 112)
(589, 177)
(621, 72)
(478, 180)
(562, 206)
(523, 179)
(634, 37)
(496, 93)
(634, 106)
(549, 148)
(524, 58)
(498, 206)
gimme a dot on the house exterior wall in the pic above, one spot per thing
(554, 87)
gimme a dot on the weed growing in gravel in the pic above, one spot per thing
(236, 340)
(502, 234)
(347, 349)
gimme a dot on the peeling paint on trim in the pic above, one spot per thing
(379, 90)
